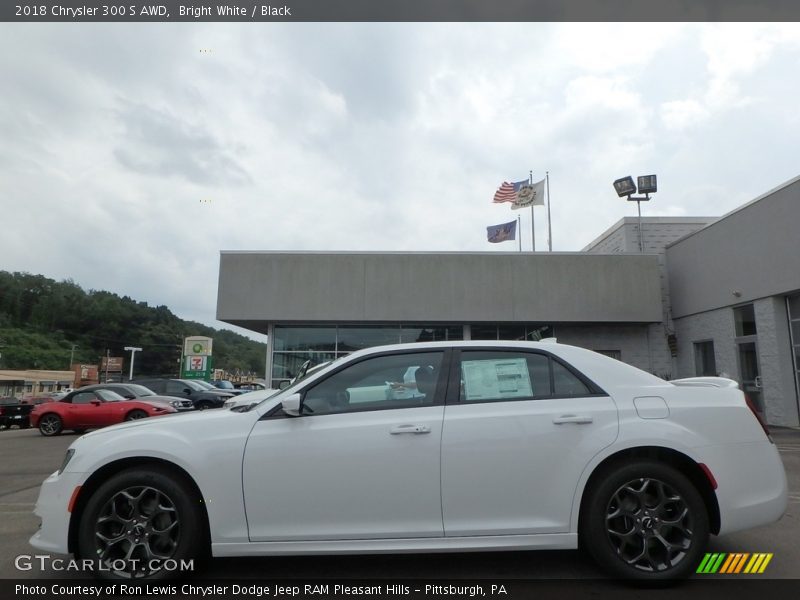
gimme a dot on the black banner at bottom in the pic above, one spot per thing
(331, 589)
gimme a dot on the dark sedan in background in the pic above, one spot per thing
(201, 397)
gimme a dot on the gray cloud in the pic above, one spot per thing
(161, 144)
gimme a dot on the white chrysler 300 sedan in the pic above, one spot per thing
(424, 448)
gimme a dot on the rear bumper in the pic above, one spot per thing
(752, 489)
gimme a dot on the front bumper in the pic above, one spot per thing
(51, 508)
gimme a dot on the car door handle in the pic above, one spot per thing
(416, 429)
(579, 419)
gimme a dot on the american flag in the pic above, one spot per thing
(508, 191)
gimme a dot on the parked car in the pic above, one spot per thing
(134, 391)
(441, 446)
(14, 413)
(249, 386)
(91, 409)
(201, 397)
(227, 386)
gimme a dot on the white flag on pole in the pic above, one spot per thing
(529, 195)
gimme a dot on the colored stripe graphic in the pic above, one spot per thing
(722, 562)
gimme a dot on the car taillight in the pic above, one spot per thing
(758, 416)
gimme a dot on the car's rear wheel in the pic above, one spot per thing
(50, 424)
(645, 521)
(141, 523)
(135, 414)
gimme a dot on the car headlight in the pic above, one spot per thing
(176, 403)
(67, 457)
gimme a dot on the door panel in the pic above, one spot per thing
(362, 463)
(344, 476)
(517, 435)
(507, 468)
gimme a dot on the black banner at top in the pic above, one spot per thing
(398, 10)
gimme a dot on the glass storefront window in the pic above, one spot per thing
(745, 320)
(530, 332)
(705, 363)
(358, 337)
(301, 339)
(285, 365)
(511, 332)
(423, 333)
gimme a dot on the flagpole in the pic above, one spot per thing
(549, 226)
(533, 234)
(519, 232)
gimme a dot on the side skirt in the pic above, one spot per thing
(548, 541)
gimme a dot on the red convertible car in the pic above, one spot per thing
(91, 409)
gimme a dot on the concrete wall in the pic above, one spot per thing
(754, 251)
(774, 353)
(642, 346)
(256, 287)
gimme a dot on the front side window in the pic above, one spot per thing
(382, 382)
(83, 398)
(177, 387)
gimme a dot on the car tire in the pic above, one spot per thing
(645, 521)
(165, 521)
(50, 425)
(136, 414)
(204, 405)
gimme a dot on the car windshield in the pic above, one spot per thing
(140, 390)
(109, 396)
(194, 385)
(311, 371)
(204, 384)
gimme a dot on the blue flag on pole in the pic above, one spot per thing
(502, 233)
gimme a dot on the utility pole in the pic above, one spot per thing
(72, 355)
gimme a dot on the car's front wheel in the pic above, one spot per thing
(142, 523)
(135, 414)
(645, 521)
(50, 425)
(204, 405)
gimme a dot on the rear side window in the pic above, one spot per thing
(566, 383)
(496, 376)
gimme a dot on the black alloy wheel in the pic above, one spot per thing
(140, 524)
(50, 425)
(647, 522)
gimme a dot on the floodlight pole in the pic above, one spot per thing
(641, 238)
(133, 352)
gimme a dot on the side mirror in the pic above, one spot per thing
(291, 405)
(187, 391)
(96, 402)
(284, 384)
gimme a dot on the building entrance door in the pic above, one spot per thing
(748, 373)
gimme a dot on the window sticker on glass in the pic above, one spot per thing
(499, 378)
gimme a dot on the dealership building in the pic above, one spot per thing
(701, 296)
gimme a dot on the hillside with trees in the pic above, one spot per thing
(42, 319)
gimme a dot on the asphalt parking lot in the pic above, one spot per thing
(27, 458)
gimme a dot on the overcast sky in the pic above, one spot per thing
(130, 155)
